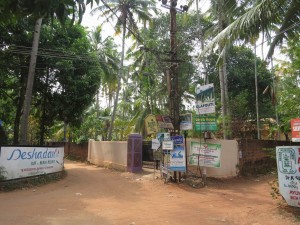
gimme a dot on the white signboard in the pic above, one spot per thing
(167, 145)
(186, 122)
(205, 154)
(205, 100)
(288, 165)
(18, 162)
(155, 144)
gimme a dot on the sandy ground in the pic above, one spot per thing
(90, 195)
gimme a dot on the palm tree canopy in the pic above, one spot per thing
(61, 9)
(123, 11)
(281, 16)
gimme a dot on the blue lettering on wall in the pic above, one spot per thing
(19, 154)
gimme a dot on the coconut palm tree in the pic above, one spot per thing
(264, 16)
(107, 54)
(126, 13)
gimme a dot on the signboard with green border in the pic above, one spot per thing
(205, 123)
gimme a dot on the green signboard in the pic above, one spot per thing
(205, 123)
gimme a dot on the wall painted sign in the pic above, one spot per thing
(18, 162)
(205, 99)
(295, 127)
(206, 154)
(288, 166)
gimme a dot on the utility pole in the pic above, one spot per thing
(174, 98)
(174, 95)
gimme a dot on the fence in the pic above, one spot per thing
(254, 156)
(73, 150)
(259, 156)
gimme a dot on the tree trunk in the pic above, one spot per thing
(256, 94)
(30, 79)
(19, 102)
(223, 75)
(43, 116)
(119, 84)
(97, 106)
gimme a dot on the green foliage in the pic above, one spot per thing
(66, 81)
(2, 174)
(287, 86)
(241, 84)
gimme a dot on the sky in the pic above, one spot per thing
(92, 21)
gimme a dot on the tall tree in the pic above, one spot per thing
(108, 59)
(241, 87)
(280, 17)
(287, 84)
(39, 10)
(224, 12)
(124, 12)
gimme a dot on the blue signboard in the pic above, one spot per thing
(178, 139)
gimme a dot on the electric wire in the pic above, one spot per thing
(74, 56)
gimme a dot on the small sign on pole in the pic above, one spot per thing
(205, 99)
(167, 145)
(186, 122)
(155, 144)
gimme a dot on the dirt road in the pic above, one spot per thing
(91, 195)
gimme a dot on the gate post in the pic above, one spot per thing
(134, 153)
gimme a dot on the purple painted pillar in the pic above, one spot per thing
(134, 153)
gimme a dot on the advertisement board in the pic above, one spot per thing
(177, 158)
(151, 124)
(205, 123)
(205, 154)
(186, 121)
(295, 127)
(19, 162)
(205, 99)
(288, 166)
(164, 122)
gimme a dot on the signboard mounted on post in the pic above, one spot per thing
(164, 122)
(205, 99)
(205, 123)
(186, 121)
(151, 124)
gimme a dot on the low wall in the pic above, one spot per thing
(73, 150)
(229, 158)
(112, 154)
